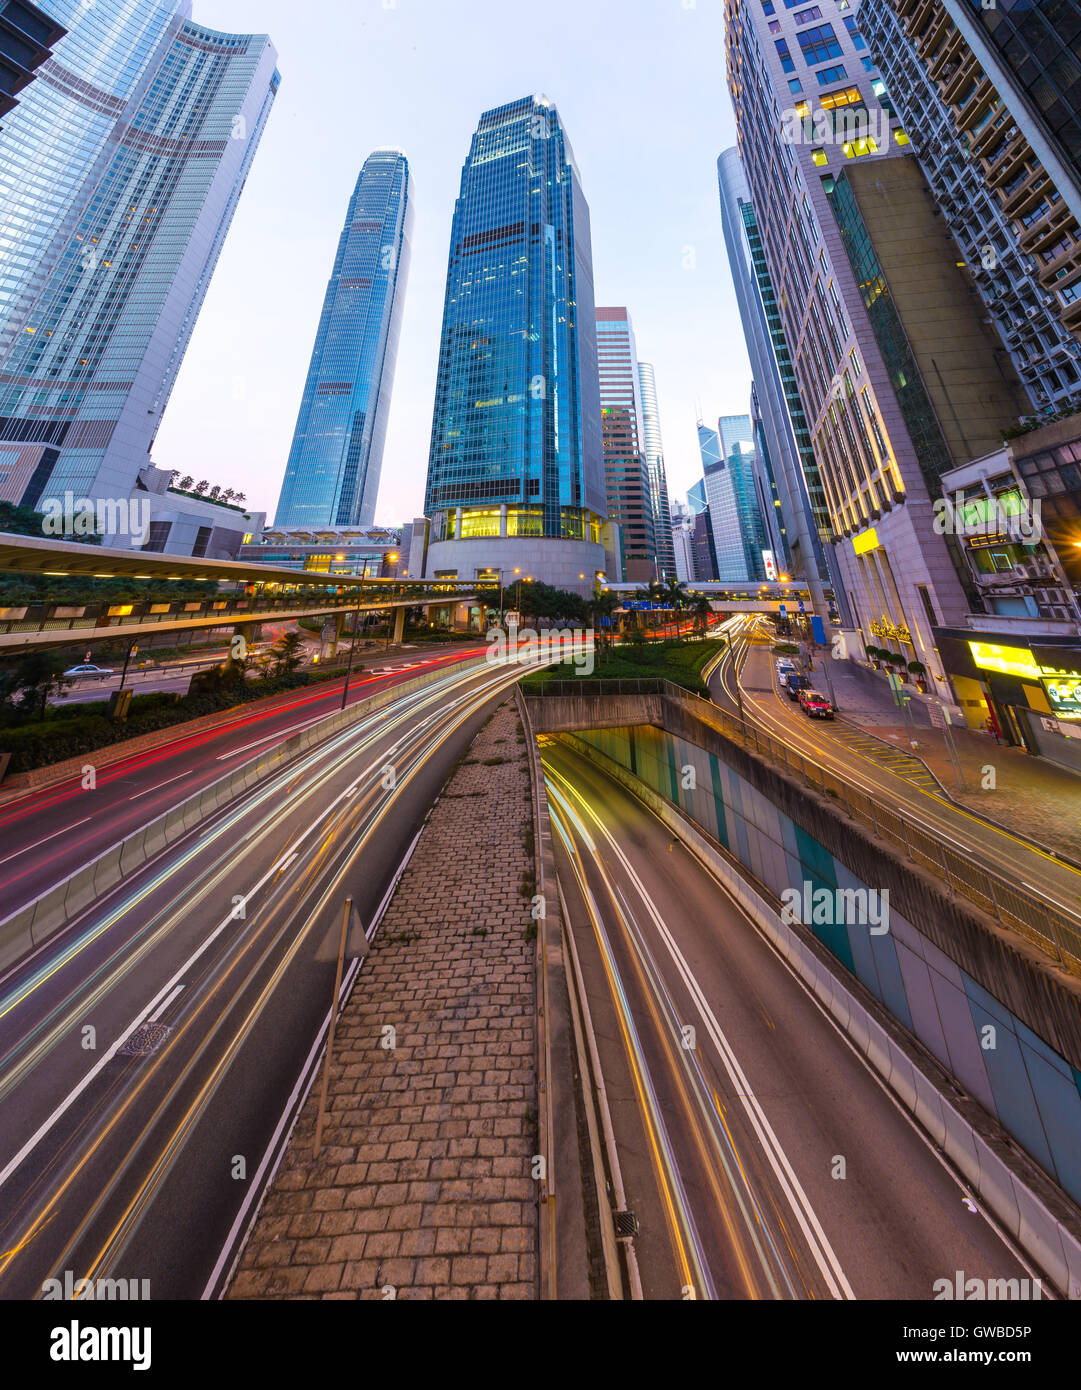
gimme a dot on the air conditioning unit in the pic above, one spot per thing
(1019, 572)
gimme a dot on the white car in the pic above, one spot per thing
(89, 670)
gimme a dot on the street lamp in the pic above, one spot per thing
(490, 570)
(352, 644)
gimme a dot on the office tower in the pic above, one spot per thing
(626, 473)
(516, 467)
(898, 376)
(742, 548)
(682, 533)
(704, 566)
(658, 481)
(115, 232)
(27, 37)
(784, 438)
(977, 141)
(332, 477)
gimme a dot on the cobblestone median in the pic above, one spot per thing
(423, 1188)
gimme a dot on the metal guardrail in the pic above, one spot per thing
(1057, 933)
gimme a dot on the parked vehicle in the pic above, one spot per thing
(87, 669)
(785, 668)
(815, 705)
(795, 682)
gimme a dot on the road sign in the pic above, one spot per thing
(782, 609)
(818, 628)
(801, 605)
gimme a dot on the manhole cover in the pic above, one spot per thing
(147, 1038)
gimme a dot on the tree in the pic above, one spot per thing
(174, 473)
(702, 610)
(201, 486)
(215, 491)
(239, 497)
(34, 678)
(601, 606)
(186, 483)
(288, 652)
(227, 495)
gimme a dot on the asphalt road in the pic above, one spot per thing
(761, 1156)
(46, 835)
(149, 1052)
(1041, 874)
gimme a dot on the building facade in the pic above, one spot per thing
(976, 141)
(332, 476)
(516, 464)
(653, 446)
(898, 376)
(27, 37)
(120, 172)
(626, 471)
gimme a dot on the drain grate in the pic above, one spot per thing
(626, 1223)
(147, 1038)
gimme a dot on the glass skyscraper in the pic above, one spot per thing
(27, 34)
(515, 469)
(332, 477)
(120, 171)
(658, 481)
(626, 473)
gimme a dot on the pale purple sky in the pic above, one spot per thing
(639, 85)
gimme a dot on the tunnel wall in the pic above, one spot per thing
(1028, 1085)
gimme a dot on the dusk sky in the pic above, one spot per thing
(639, 85)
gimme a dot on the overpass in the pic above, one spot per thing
(727, 597)
(239, 594)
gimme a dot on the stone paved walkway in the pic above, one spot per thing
(423, 1188)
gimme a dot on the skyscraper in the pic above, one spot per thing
(786, 440)
(891, 357)
(977, 140)
(626, 472)
(332, 477)
(114, 232)
(516, 469)
(658, 481)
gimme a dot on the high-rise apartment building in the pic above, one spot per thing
(112, 233)
(27, 36)
(898, 376)
(626, 473)
(977, 138)
(332, 477)
(658, 480)
(516, 466)
(682, 533)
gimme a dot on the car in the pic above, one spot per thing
(784, 667)
(815, 705)
(794, 682)
(87, 669)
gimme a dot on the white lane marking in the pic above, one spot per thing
(280, 733)
(817, 1240)
(157, 786)
(283, 864)
(43, 840)
(165, 1004)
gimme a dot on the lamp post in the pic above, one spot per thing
(352, 644)
(491, 570)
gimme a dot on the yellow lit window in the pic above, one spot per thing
(900, 136)
(819, 157)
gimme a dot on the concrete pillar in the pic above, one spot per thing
(399, 625)
(503, 521)
(330, 649)
(247, 631)
(457, 523)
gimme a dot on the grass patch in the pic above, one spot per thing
(680, 662)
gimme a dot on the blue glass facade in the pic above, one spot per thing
(120, 171)
(517, 420)
(332, 477)
(27, 34)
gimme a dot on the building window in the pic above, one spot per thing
(827, 76)
(900, 136)
(159, 534)
(819, 44)
(853, 28)
(819, 157)
(795, 87)
(202, 540)
(775, 26)
(785, 55)
(806, 16)
(767, 5)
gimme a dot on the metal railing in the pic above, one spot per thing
(1055, 932)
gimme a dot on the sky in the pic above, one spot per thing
(639, 85)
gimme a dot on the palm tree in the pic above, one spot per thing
(702, 610)
(288, 652)
(603, 605)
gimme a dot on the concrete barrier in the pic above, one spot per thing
(26, 929)
(1022, 1199)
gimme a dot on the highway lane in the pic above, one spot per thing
(732, 1137)
(47, 834)
(121, 1159)
(1041, 874)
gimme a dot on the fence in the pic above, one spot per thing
(1057, 933)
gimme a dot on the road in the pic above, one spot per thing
(149, 1053)
(49, 833)
(1041, 874)
(761, 1156)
